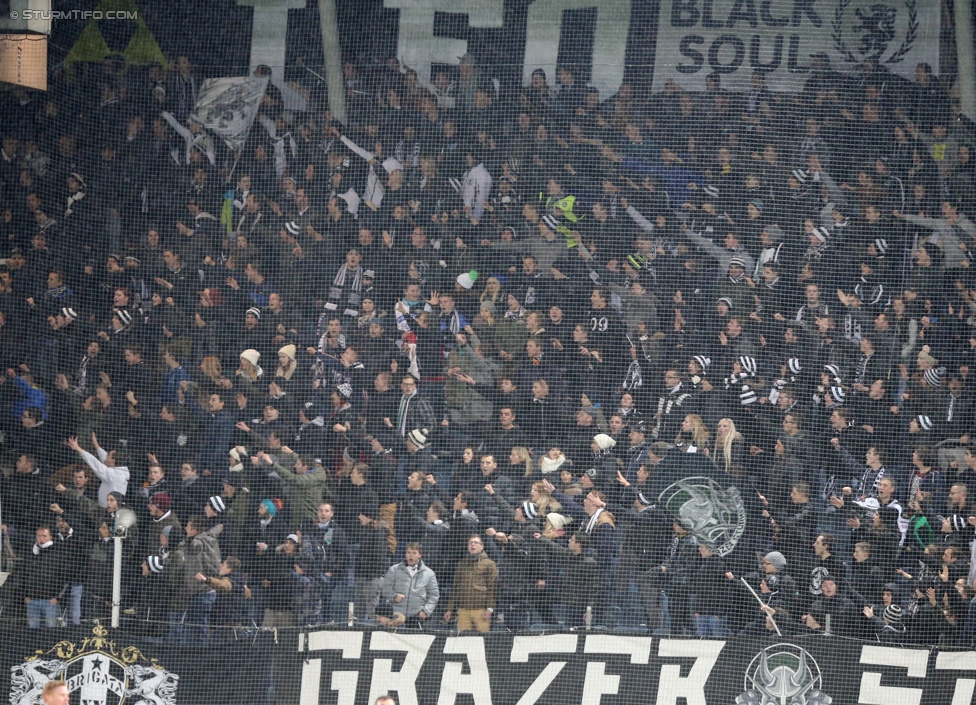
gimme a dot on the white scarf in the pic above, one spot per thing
(38, 547)
(72, 200)
(591, 525)
(335, 293)
(278, 142)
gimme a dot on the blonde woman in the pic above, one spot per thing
(212, 379)
(694, 435)
(543, 499)
(484, 326)
(492, 292)
(520, 457)
(729, 449)
(249, 369)
(555, 525)
(287, 364)
(551, 461)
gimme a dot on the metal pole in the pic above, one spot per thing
(332, 50)
(117, 582)
(3, 556)
(965, 60)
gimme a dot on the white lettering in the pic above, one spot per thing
(959, 661)
(543, 26)
(477, 683)
(418, 48)
(915, 661)
(269, 31)
(404, 681)
(351, 646)
(524, 646)
(691, 688)
(637, 647)
(598, 683)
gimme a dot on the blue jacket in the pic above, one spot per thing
(32, 397)
(171, 383)
(217, 431)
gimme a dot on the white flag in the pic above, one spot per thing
(226, 107)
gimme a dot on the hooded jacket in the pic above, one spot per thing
(201, 555)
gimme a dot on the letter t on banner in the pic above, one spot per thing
(418, 48)
(542, 31)
(268, 33)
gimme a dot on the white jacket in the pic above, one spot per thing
(113, 479)
(475, 189)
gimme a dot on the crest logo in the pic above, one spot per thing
(783, 674)
(867, 30)
(101, 672)
(714, 514)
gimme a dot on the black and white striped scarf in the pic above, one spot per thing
(453, 321)
(340, 278)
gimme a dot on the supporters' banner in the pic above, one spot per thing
(735, 37)
(538, 28)
(226, 107)
(352, 667)
(702, 498)
(107, 667)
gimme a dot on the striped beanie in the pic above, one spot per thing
(749, 365)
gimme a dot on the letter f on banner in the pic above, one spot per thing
(418, 48)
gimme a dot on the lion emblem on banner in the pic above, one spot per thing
(867, 30)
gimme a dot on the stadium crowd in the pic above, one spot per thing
(426, 362)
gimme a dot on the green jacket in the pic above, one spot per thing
(306, 494)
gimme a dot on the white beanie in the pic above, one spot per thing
(557, 521)
(288, 351)
(604, 441)
(235, 453)
(467, 279)
(252, 356)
